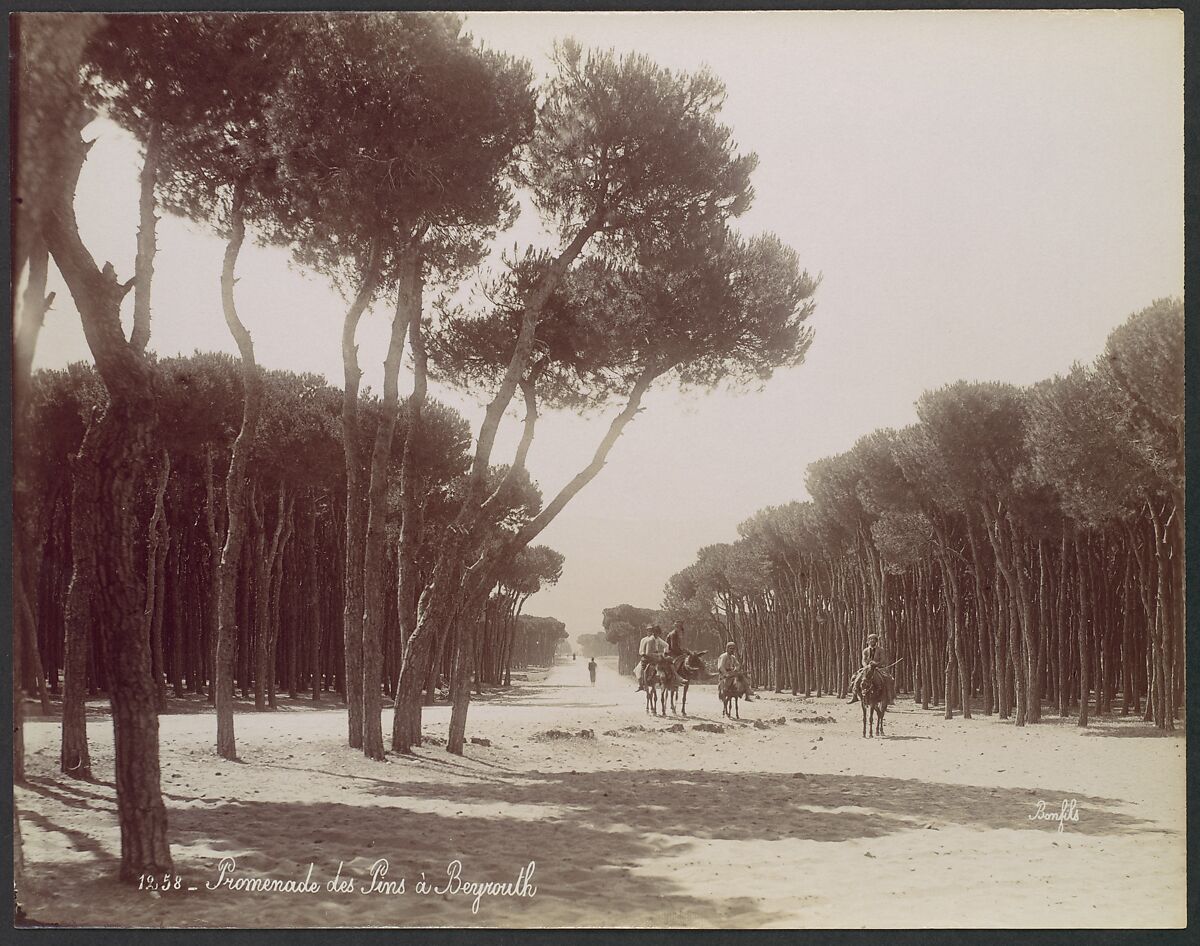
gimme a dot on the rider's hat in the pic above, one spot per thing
(872, 637)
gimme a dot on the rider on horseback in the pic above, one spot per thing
(870, 660)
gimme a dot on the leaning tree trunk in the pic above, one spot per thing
(235, 494)
(478, 579)
(437, 600)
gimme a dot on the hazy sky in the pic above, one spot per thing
(986, 195)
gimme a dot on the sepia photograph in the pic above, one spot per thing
(566, 470)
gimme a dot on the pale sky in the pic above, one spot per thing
(986, 195)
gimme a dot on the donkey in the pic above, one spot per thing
(688, 667)
(731, 689)
(875, 693)
(658, 681)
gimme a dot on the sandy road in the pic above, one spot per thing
(633, 821)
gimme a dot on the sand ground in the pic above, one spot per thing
(793, 821)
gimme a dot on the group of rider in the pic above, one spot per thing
(655, 651)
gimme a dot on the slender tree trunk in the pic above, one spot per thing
(235, 493)
(406, 718)
(1063, 604)
(178, 590)
(211, 614)
(352, 617)
(1164, 710)
(1023, 567)
(75, 759)
(259, 601)
(1083, 560)
(408, 308)
(313, 590)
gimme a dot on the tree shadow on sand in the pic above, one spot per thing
(588, 832)
(768, 806)
(537, 696)
(70, 792)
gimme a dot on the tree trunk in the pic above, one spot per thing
(408, 308)
(1164, 705)
(235, 494)
(123, 438)
(34, 306)
(155, 556)
(468, 628)
(1083, 563)
(352, 616)
(312, 588)
(75, 759)
(213, 534)
(406, 719)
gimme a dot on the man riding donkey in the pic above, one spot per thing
(729, 666)
(652, 652)
(872, 653)
(675, 646)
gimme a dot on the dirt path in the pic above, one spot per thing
(788, 818)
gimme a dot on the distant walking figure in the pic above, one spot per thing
(592, 670)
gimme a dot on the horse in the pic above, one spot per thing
(874, 691)
(731, 689)
(688, 665)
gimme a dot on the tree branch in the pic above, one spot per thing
(632, 407)
(531, 415)
(143, 266)
(96, 293)
(237, 235)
